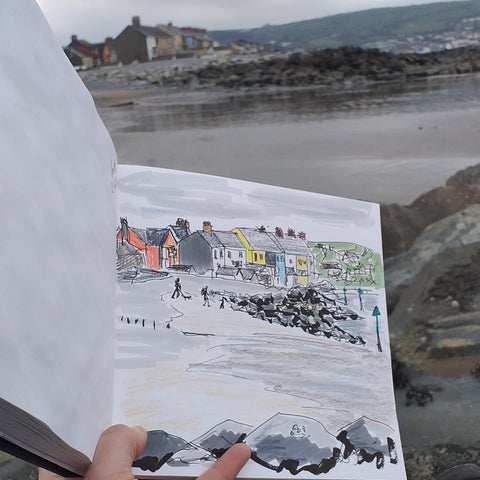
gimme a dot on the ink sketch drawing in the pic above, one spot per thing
(251, 313)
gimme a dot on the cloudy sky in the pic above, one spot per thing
(93, 20)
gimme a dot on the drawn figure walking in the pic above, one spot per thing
(204, 292)
(178, 289)
(222, 303)
(360, 293)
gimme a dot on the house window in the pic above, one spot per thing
(154, 51)
(172, 252)
(261, 257)
(221, 253)
(229, 254)
(255, 257)
(240, 254)
(215, 254)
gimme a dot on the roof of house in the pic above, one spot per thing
(174, 30)
(259, 240)
(229, 239)
(149, 31)
(73, 51)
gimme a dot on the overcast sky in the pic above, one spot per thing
(93, 20)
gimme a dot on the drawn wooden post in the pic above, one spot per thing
(376, 314)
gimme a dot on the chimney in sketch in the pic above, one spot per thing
(136, 21)
(124, 228)
(291, 232)
(303, 236)
(207, 227)
(262, 229)
(278, 232)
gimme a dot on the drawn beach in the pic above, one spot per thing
(198, 347)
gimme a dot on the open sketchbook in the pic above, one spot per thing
(209, 310)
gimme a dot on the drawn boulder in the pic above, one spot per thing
(369, 440)
(160, 447)
(294, 443)
(221, 437)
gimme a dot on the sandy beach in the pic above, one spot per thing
(376, 152)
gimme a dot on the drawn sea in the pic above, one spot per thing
(385, 143)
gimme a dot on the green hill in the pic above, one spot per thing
(361, 28)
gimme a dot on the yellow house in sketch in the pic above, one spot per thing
(252, 240)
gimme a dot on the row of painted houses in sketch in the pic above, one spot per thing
(248, 254)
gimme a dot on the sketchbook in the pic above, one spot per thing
(208, 310)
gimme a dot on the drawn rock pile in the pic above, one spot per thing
(309, 308)
(284, 442)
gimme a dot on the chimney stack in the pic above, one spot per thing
(74, 38)
(278, 232)
(136, 21)
(262, 229)
(207, 227)
(291, 232)
(303, 236)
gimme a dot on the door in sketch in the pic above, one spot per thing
(280, 262)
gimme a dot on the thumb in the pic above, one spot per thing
(116, 450)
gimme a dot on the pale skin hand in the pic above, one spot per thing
(119, 446)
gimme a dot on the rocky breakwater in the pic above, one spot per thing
(340, 66)
(432, 274)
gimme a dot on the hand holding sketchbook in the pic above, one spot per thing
(279, 337)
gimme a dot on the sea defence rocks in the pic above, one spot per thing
(461, 229)
(339, 66)
(401, 225)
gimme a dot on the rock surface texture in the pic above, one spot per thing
(433, 290)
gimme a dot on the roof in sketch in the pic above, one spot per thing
(291, 245)
(140, 233)
(180, 232)
(212, 240)
(259, 240)
(157, 236)
(229, 239)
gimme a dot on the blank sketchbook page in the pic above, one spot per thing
(57, 219)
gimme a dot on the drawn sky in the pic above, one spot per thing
(94, 20)
(153, 198)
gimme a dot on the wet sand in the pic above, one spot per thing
(374, 154)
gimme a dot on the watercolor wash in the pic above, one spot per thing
(251, 313)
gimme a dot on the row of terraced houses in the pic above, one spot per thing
(141, 43)
(247, 254)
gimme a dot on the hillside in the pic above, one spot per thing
(366, 28)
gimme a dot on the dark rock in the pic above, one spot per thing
(458, 230)
(443, 278)
(429, 462)
(401, 225)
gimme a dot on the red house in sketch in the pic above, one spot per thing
(133, 251)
